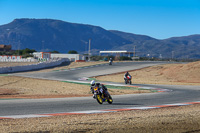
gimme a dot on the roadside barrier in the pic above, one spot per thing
(40, 65)
(18, 60)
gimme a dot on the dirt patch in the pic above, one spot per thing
(171, 74)
(173, 119)
(7, 92)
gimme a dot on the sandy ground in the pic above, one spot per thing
(173, 119)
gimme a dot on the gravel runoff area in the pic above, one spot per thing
(184, 119)
(172, 119)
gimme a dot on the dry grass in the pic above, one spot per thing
(171, 74)
(172, 120)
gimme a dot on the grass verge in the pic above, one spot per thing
(114, 87)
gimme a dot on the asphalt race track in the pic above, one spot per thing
(175, 94)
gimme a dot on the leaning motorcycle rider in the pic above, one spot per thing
(104, 89)
(92, 87)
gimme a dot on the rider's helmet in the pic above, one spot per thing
(126, 74)
(92, 82)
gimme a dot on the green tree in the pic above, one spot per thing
(54, 51)
(72, 52)
(121, 58)
(27, 51)
(96, 58)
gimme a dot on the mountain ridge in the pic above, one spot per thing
(50, 34)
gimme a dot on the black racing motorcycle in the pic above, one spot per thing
(127, 80)
(110, 62)
(101, 94)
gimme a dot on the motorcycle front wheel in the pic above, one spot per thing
(99, 99)
(125, 81)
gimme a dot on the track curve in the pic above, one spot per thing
(179, 94)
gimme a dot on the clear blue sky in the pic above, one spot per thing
(160, 19)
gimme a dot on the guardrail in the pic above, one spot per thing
(18, 60)
(40, 65)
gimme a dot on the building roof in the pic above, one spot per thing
(2, 46)
(5, 46)
(120, 52)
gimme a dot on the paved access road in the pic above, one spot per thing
(178, 94)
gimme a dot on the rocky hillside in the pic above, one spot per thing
(176, 47)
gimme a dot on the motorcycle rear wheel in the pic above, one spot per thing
(110, 100)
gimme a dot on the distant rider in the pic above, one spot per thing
(126, 75)
(110, 61)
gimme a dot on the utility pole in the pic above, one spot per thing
(172, 55)
(134, 50)
(19, 47)
(42, 45)
(89, 50)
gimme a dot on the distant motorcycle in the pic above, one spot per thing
(110, 62)
(101, 94)
(127, 80)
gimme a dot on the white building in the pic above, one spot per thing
(48, 55)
